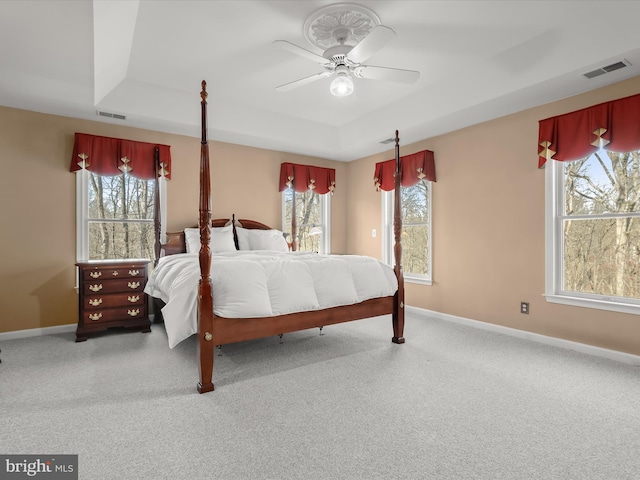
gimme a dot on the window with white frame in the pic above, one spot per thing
(115, 196)
(312, 218)
(416, 231)
(593, 231)
(115, 216)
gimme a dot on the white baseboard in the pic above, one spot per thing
(36, 332)
(536, 337)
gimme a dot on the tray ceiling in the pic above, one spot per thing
(144, 60)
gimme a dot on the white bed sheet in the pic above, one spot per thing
(264, 283)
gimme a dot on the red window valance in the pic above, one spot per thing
(413, 168)
(114, 156)
(304, 177)
(611, 125)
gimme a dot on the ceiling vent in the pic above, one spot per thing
(609, 68)
(117, 116)
(388, 140)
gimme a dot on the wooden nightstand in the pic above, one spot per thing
(111, 295)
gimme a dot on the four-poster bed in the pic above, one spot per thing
(214, 330)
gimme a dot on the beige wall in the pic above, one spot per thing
(37, 207)
(488, 217)
(489, 230)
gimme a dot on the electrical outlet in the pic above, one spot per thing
(524, 307)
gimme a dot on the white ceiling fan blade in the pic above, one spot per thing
(384, 73)
(301, 51)
(377, 38)
(303, 81)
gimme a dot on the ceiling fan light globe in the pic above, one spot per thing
(341, 86)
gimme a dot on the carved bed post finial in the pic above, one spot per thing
(205, 298)
(398, 315)
(203, 103)
(203, 93)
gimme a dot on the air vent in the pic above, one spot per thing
(609, 68)
(117, 116)
(614, 66)
(388, 140)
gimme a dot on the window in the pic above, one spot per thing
(115, 216)
(312, 218)
(593, 231)
(416, 231)
(115, 183)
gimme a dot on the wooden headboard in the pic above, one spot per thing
(176, 242)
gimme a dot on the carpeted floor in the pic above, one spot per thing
(454, 402)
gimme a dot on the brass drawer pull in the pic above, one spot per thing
(95, 288)
(94, 302)
(133, 298)
(95, 274)
(133, 284)
(115, 273)
(133, 313)
(95, 316)
(133, 273)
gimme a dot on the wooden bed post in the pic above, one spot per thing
(205, 299)
(294, 220)
(398, 309)
(156, 208)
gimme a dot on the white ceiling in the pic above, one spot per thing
(146, 59)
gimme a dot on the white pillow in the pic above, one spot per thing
(269, 240)
(253, 239)
(243, 238)
(221, 239)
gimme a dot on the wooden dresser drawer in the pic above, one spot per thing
(107, 273)
(93, 302)
(94, 287)
(114, 314)
(111, 294)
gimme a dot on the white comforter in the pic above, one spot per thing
(264, 283)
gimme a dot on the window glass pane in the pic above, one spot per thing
(128, 205)
(120, 197)
(109, 240)
(415, 203)
(415, 249)
(602, 256)
(605, 182)
(415, 229)
(306, 242)
(288, 195)
(308, 215)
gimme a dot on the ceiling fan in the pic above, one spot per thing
(349, 35)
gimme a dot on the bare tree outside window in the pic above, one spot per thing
(120, 217)
(308, 215)
(415, 229)
(416, 234)
(601, 225)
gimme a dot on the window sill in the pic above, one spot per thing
(417, 280)
(593, 303)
